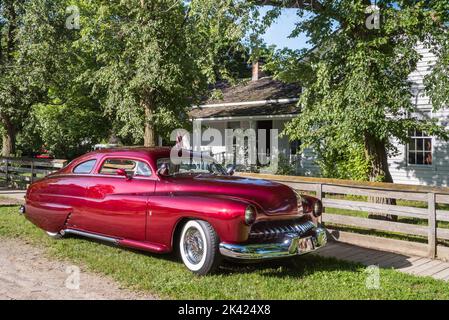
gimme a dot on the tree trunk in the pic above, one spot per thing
(375, 151)
(9, 141)
(150, 134)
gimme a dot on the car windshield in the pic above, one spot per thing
(192, 166)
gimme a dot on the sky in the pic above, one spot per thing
(279, 32)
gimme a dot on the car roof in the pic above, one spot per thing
(152, 154)
(155, 152)
(134, 149)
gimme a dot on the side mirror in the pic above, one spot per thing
(122, 173)
(163, 170)
(230, 170)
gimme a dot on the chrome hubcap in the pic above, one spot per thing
(193, 245)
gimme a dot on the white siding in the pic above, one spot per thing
(438, 173)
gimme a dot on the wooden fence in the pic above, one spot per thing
(334, 194)
(20, 172)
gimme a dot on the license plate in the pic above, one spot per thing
(306, 245)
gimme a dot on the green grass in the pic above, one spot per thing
(166, 277)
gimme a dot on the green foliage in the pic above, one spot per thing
(357, 87)
(31, 36)
(347, 163)
(128, 56)
(156, 56)
(65, 131)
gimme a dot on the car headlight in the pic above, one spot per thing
(317, 208)
(250, 215)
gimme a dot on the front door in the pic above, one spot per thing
(117, 206)
(264, 146)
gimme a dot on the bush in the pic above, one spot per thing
(66, 132)
(346, 163)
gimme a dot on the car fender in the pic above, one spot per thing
(167, 212)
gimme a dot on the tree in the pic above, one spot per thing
(66, 131)
(356, 79)
(155, 58)
(357, 87)
(30, 34)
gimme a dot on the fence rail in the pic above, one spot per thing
(19, 172)
(332, 191)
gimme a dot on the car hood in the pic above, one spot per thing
(272, 197)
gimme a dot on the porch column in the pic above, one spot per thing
(197, 135)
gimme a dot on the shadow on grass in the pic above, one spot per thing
(9, 205)
(296, 267)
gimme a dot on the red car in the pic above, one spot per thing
(141, 198)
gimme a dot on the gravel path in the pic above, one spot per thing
(25, 273)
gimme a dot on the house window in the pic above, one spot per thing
(420, 149)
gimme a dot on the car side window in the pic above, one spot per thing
(85, 167)
(142, 170)
(132, 167)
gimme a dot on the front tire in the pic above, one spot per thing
(198, 247)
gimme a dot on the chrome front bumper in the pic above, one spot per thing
(292, 245)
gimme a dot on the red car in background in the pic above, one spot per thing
(141, 198)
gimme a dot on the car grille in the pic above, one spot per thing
(278, 229)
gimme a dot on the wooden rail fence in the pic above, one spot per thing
(334, 194)
(20, 172)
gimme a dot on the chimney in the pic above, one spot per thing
(256, 71)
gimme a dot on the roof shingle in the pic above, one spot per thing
(251, 91)
(263, 89)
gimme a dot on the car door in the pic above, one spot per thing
(116, 205)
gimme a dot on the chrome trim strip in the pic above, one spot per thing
(289, 247)
(90, 235)
(277, 232)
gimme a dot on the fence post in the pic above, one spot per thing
(32, 171)
(432, 241)
(7, 172)
(320, 195)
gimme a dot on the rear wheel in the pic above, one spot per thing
(198, 247)
(54, 235)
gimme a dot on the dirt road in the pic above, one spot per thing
(25, 273)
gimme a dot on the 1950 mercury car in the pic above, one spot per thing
(141, 198)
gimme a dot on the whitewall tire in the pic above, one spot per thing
(198, 247)
(54, 235)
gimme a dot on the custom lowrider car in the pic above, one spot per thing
(143, 199)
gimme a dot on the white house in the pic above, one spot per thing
(260, 103)
(264, 103)
(426, 160)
